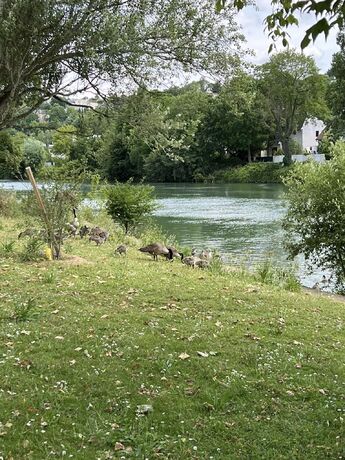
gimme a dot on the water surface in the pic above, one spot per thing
(241, 221)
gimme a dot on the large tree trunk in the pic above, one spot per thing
(286, 150)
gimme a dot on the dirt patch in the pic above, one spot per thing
(74, 260)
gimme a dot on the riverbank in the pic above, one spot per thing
(123, 357)
(254, 173)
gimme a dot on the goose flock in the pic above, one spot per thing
(99, 236)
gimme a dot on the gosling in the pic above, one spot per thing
(121, 250)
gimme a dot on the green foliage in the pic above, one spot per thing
(327, 14)
(23, 310)
(295, 148)
(284, 277)
(315, 220)
(129, 204)
(10, 157)
(260, 173)
(34, 155)
(236, 124)
(326, 144)
(128, 43)
(7, 248)
(63, 140)
(9, 205)
(32, 250)
(336, 92)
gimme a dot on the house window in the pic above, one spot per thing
(317, 134)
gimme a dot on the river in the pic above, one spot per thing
(241, 221)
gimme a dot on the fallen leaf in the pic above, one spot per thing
(203, 354)
(119, 446)
(184, 356)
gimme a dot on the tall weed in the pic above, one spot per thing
(284, 277)
(32, 250)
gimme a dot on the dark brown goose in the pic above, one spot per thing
(157, 249)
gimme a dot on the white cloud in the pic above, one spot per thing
(252, 19)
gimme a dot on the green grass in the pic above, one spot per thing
(108, 335)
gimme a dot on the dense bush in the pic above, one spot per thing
(315, 221)
(129, 204)
(260, 173)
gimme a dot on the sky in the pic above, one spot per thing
(251, 20)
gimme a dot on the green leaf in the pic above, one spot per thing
(305, 42)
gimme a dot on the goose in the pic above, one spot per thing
(194, 261)
(121, 250)
(190, 261)
(97, 239)
(72, 227)
(175, 253)
(84, 230)
(97, 231)
(157, 249)
(205, 254)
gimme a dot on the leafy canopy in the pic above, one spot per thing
(328, 14)
(55, 48)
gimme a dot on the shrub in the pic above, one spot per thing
(129, 204)
(260, 173)
(32, 250)
(7, 249)
(284, 277)
(315, 221)
(23, 311)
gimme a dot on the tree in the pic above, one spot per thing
(48, 46)
(294, 91)
(34, 155)
(129, 204)
(328, 14)
(315, 221)
(10, 157)
(63, 140)
(237, 123)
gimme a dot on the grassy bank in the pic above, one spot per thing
(231, 368)
(254, 173)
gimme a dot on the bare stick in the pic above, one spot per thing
(41, 205)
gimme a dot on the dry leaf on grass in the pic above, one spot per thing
(184, 356)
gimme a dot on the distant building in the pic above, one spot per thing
(309, 134)
(308, 137)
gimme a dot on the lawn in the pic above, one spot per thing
(122, 357)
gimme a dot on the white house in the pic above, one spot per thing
(308, 135)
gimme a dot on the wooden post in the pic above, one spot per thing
(38, 195)
(41, 205)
